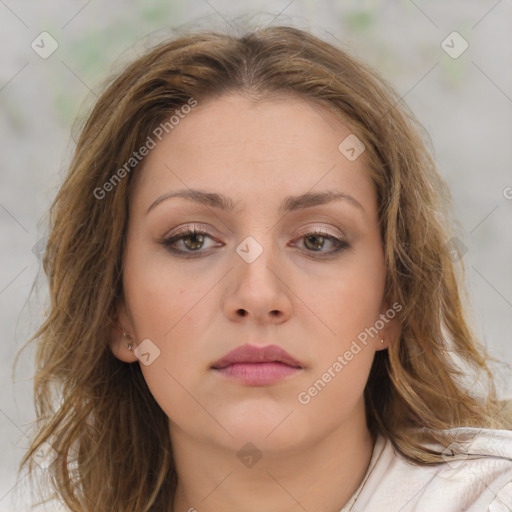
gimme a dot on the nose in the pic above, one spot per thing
(258, 290)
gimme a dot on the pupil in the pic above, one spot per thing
(197, 243)
(319, 240)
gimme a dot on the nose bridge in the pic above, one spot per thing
(257, 234)
(259, 291)
(258, 255)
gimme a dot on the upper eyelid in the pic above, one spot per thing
(325, 212)
(184, 230)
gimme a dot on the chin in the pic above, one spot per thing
(270, 431)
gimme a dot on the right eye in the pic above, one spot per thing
(192, 239)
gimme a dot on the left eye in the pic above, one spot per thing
(316, 241)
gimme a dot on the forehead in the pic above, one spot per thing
(276, 147)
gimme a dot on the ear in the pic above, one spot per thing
(392, 325)
(122, 323)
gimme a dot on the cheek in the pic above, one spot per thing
(349, 308)
(163, 296)
(333, 394)
(348, 301)
(172, 310)
(175, 319)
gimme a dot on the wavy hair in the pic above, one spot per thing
(97, 412)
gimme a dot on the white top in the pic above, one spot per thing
(478, 478)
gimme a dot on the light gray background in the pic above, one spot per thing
(465, 104)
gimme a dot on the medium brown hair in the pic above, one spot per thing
(97, 412)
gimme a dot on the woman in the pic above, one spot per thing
(253, 299)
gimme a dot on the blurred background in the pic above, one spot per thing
(55, 55)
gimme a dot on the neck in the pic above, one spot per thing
(317, 476)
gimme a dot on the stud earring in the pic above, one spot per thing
(128, 345)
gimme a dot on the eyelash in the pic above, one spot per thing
(169, 241)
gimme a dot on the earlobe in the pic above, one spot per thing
(128, 337)
(391, 330)
(382, 343)
(121, 342)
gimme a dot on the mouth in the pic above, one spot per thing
(257, 366)
(258, 374)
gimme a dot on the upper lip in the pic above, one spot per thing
(253, 354)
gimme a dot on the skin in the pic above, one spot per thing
(314, 455)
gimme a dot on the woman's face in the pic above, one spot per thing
(256, 274)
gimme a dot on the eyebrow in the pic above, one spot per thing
(289, 204)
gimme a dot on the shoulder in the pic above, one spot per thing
(475, 477)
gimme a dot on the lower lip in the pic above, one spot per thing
(258, 374)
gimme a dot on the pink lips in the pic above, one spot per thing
(257, 366)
